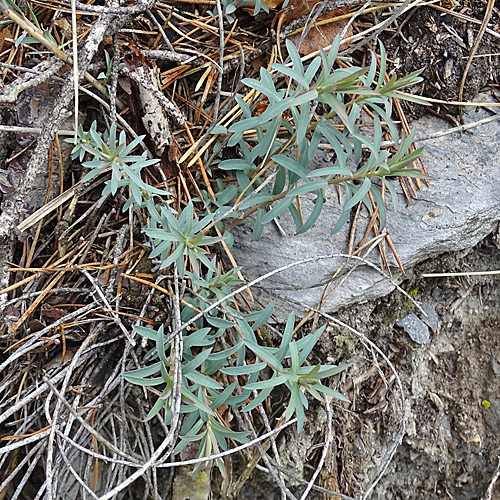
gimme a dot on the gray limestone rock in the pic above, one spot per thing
(459, 208)
(415, 328)
(432, 319)
(495, 366)
(445, 428)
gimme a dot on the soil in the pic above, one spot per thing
(440, 44)
(452, 439)
(452, 384)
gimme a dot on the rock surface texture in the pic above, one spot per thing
(459, 208)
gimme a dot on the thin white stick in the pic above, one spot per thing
(494, 479)
(117, 319)
(84, 424)
(31, 130)
(326, 447)
(452, 275)
(18, 443)
(182, 463)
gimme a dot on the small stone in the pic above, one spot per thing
(445, 347)
(432, 318)
(415, 328)
(495, 366)
(438, 403)
(445, 428)
(359, 447)
(492, 415)
(463, 478)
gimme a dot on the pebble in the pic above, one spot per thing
(445, 347)
(359, 447)
(492, 415)
(445, 428)
(415, 328)
(495, 366)
(432, 319)
(438, 403)
(463, 478)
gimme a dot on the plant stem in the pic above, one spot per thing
(277, 197)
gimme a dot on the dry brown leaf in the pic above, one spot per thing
(318, 36)
(261, 61)
(272, 4)
(5, 185)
